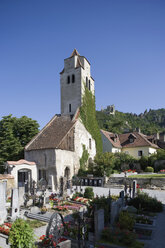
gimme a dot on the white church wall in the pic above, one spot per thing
(82, 136)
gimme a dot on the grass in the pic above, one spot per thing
(35, 223)
(148, 176)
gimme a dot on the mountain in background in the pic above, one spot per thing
(149, 122)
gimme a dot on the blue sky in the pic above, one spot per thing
(124, 40)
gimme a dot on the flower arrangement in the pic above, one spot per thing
(130, 171)
(60, 208)
(48, 241)
(81, 199)
(5, 228)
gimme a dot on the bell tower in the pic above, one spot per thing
(73, 79)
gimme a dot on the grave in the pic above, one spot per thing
(3, 212)
(55, 228)
(134, 191)
(14, 204)
(21, 192)
(99, 222)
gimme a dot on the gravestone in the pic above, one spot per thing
(130, 191)
(134, 191)
(114, 212)
(14, 204)
(99, 223)
(21, 192)
(5, 183)
(65, 244)
(115, 209)
(122, 197)
(3, 212)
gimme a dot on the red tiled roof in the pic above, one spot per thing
(52, 134)
(110, 137)
(21, 161)
(140, 140)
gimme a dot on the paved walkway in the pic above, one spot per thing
(158, 240)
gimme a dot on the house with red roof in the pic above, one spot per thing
(135, 144)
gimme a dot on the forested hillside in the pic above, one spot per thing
(149, 122)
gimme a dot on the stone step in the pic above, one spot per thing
(37, 217)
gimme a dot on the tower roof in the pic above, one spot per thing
(75, 52)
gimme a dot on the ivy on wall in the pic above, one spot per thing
(88, 117)
(84, 159)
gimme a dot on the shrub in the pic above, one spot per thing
(149, 169)
(126, 221)
(145, 202)
(89, 193)
(21, 235)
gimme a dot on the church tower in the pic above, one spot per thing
(73, 79)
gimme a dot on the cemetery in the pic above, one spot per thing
(76, 217)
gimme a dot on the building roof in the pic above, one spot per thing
(123, 140)
(52, 134)
(75, 52)
(19, 162)
(112, 137)
(139, 140)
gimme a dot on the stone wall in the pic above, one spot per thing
(146, 183)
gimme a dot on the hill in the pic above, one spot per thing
(149, 122)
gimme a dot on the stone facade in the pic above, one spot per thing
(74, 77)
(55, 162)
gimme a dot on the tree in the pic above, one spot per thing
(105, 163)
(15, 133)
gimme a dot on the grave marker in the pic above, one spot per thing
(14, 204)
(134, 191)
(3, 212)
(21, 191)
(99, 222)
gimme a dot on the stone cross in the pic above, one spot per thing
(14, 204)
(3, 212)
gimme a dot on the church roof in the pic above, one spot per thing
(75, 52)
(52, 134)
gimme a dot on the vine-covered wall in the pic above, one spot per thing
(88, 117)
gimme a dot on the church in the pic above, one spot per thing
(58, 147)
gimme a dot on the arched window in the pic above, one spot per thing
(89, 85)
(87, 82)
(68, 79)
(73, 78)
